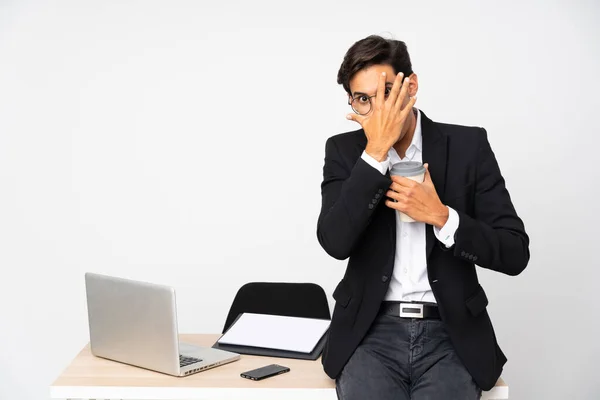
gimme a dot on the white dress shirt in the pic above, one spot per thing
(409, 281)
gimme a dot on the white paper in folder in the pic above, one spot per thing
(276, 332)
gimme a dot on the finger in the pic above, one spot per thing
(395, 89)
(401, 198)
(403, 181)
(396, 205)
(403, 94)
(407, 109)
(355, 118)
(399, 188)
(427, 174)
(380, 91)
(393, 195)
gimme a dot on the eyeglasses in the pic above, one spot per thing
(362, 103)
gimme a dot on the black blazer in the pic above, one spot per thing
(355, 222)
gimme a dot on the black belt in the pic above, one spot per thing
(410, 309)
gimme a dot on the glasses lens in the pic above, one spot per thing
(361, 105)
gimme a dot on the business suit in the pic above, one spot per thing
(355, 223)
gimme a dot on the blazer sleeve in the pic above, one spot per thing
(494, 237)
(349, 196)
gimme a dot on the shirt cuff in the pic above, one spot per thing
(379, 166)
(446, 233)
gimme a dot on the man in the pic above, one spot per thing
(410, 319)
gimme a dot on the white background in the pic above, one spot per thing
(182, 143)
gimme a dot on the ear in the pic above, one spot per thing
(413, 86)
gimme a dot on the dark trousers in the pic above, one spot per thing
(405, 359)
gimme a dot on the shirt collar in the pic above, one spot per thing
(417, 139)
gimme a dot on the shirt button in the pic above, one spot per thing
(405, 271)
(405, 234)
(384, 278)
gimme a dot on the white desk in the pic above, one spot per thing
(89, 377)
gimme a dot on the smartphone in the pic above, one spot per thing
(264, 372)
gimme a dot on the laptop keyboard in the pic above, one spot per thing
(185, 361)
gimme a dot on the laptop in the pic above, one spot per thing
(136, 323)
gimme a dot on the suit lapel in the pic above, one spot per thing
(435, 153)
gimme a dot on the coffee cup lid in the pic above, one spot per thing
(407, 168)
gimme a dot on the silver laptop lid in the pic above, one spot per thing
(133, 322)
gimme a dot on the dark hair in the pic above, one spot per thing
(374, 50)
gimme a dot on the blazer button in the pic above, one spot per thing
(474, 258)
(371, 206)
(380, 191)
(462, 253)
(377, 195)
(384, 278)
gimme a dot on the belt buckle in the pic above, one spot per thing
(411, 310)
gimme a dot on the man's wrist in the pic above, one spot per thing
(441, 217)
(377, 152)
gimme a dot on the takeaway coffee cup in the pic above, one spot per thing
(412, 170)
